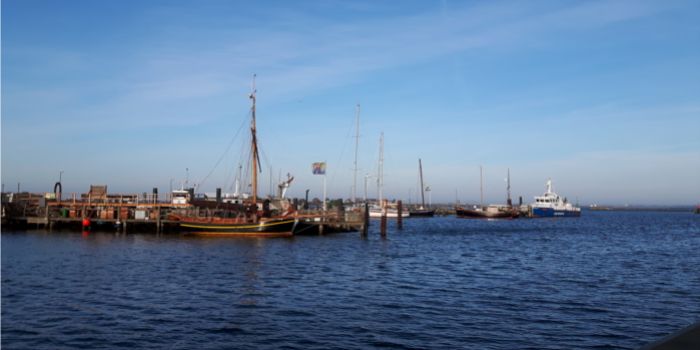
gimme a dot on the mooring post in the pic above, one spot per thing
(399, 219)
(47, 218)
(382, 225)
(158, 220)
(365, 220)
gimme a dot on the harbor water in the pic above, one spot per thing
(607, 280)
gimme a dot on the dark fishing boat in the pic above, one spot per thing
(492, 211)
(422, 210)
(489, 212)
(248, 219)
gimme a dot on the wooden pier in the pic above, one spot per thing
(146, 213)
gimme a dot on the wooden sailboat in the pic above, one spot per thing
(247, 219)
(422, 210)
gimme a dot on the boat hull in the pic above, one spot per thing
(422, 213)
(554, 213)
(377, 213)
(389, 214)
(267, 228)
(481, 214)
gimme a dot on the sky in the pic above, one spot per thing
(603, 97)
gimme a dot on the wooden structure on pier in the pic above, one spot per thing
(146, 212)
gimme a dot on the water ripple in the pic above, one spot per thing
(604, 281)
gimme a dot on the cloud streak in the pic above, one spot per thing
(318, 55)
(191, 71)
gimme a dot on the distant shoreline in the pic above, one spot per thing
(642, 208)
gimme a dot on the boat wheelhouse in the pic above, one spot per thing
(552, 205)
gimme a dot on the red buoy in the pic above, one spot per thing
(86, 222)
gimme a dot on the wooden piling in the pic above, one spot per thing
(399, 219)
(382, 225)
(158, 222)
(365, 220)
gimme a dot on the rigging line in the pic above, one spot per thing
(223, 155)
(342, 153)
(232, 172)
(245, 160)
(261, 150)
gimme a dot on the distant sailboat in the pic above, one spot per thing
(422, 210)
(377, 210)
(491, 211)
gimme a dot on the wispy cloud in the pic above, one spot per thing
(192, 69)
(315, 55)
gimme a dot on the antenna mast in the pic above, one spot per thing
(422, 195)
(357, 141)
(380, 171)
(481, 185)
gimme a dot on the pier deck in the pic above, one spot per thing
(148, 214)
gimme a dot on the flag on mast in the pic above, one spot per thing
(319, 168)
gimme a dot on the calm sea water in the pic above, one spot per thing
(605, 280)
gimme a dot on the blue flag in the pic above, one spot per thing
(319, 168)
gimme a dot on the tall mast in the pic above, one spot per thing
(254, 146)
(357, 141)
(422, 195)
(380, 171)
(510, 202)
(481, 184)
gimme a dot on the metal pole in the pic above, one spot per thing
(357, 140)
(422, 195)
(324, 193)
(481, 185)
(380, 175)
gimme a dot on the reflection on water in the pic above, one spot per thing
(615, 280)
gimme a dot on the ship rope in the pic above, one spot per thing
(223, 155)
(334, 169)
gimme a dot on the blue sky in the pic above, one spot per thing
(601, 96)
